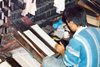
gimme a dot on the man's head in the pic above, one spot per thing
(74, 16)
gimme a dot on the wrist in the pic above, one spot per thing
(62, 53)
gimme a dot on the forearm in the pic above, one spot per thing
(62, 53)
(60, 49)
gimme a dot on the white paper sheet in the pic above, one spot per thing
(24, 58)
(44, 35)
(5, 64)
(39, 43)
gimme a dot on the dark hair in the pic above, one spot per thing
(75, 13)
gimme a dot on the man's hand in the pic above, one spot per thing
(59, 48)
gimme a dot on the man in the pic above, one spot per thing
(83, 49)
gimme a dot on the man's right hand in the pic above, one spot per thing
(59, 48)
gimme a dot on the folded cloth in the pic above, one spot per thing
(30, 7)
(60, 5)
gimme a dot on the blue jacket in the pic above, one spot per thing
(83, 49)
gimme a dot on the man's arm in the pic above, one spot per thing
(60, 49)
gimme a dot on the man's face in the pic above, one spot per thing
(72, 25)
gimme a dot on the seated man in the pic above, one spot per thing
(83, 49)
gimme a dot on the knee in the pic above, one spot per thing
(46, 61)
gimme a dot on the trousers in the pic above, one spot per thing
(50, 61)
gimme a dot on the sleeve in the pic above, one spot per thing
(71, 56)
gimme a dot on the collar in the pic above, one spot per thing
(79, 29)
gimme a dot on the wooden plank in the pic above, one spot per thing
(27, 47)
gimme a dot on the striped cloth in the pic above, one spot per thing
(83, 49)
